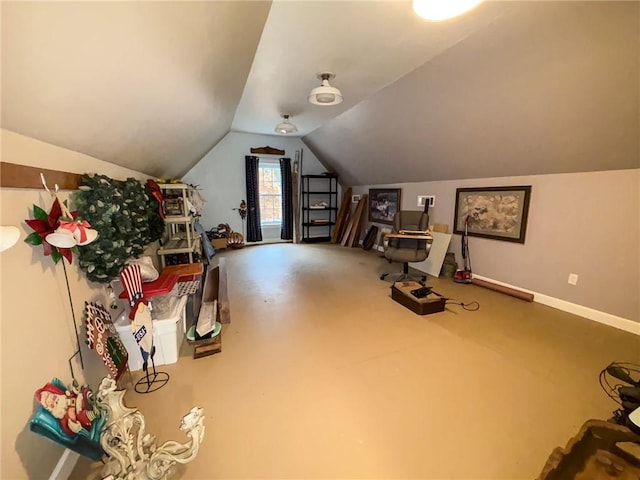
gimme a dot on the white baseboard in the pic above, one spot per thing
(65, 465)
(580, 310)
(268, 241)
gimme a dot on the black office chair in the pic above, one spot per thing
(407, 250)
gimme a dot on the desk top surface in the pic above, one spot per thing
(411, 236)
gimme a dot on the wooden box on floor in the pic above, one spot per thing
(207, 346)
(432, 303)
(219, 243)
(215, 288)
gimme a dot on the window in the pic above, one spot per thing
(270, 188)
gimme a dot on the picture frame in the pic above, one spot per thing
(498, 213)
(383, 204)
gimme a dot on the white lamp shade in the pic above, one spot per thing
(61, 238)
(8, 237)
(439, 10)
(89, 236)
(325, 94)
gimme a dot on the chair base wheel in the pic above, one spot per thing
(383, 276)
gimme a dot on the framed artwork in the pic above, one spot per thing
(383, 204)
(499, 213)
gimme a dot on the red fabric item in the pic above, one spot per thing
(156, 191)
(161, 286)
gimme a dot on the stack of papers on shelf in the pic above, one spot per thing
(319, 206)
(207, 318)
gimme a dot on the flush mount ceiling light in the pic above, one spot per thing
(438, 10)
(325, 94)
(286, 126)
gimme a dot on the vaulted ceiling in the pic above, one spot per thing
(510, 88)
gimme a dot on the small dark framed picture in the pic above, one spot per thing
(499, 213)
(383, 204)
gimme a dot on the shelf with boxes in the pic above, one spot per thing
(181, 243)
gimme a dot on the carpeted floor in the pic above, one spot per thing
(322, 375)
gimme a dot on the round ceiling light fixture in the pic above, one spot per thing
(439, 10)
(325, 94)
(286, 127)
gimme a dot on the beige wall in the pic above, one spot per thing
(221, 175)
(583, 223)
(36, 334)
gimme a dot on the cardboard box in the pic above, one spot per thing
(432, 303)
(219, 243)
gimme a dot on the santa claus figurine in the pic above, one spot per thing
(75, 408)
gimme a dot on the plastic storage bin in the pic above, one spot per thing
(168, 313)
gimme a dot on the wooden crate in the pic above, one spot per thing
(207, 346)
(401, 293)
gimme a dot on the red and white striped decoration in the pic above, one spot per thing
(132, 282)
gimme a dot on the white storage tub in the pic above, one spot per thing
(168, 314)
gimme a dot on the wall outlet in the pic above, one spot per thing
(355, 198)
(423, 199)
(573, 279)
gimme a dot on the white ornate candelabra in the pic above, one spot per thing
(132, 453)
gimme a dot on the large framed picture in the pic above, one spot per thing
(499, 213)
(383, 204)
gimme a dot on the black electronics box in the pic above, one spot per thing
(432, 303)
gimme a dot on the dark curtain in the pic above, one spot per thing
(286, 232)
(254, 232)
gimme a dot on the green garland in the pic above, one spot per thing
(126, 216)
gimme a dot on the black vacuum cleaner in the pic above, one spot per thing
(464, 275)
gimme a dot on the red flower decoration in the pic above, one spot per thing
(43, 224)
(156, 192)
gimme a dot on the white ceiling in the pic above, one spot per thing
(154, 85)
(367, 44)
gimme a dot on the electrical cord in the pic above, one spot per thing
(614, 377)
(611, 386)
(467, 306)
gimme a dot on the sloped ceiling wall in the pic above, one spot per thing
(151, 86)
(551, 87)
(367, 44)
(510, 88)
